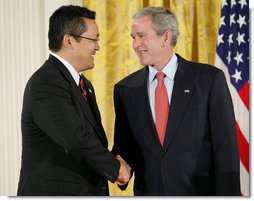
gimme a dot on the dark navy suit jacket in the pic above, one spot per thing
(200, 153)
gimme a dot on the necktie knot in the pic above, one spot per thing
(160, 76)
(81, 83)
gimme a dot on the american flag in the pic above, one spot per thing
(232, 56)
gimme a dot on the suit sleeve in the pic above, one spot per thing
(123, 137)
(224, 138)
(55, 112)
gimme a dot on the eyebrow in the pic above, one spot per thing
(138, 33)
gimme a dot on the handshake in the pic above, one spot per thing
(124, 172)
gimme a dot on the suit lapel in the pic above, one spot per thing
(77, 94)
(86, 109)
(88, 113)
(181, 96)
(95, 109)
(142, 104)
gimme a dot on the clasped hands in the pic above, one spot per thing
(124, 172)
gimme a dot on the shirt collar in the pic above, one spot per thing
(70, 68)
(169, 70)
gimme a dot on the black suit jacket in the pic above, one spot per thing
(64, 146)
(200, 152)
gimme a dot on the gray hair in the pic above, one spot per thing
(162, 20)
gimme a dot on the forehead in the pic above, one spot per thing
(142, 23)
(91, 26)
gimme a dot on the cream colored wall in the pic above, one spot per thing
(23, 49)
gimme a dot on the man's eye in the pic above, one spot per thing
(141, 36)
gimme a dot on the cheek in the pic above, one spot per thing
(85, 52)
(156, 49)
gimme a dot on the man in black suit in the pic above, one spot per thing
(193, 150)
(64, 146)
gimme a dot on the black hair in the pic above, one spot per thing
(67, 20)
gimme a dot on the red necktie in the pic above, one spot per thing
(161, 107)
(82, 87)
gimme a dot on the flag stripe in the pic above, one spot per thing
(244, 177)
(243, 147)
(244, 94)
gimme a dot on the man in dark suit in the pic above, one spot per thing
(175, 122)
(64, 146)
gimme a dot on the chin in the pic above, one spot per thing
(90, 67)
(144, 63)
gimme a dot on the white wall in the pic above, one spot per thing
(23, 49)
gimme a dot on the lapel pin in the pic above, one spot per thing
(186, 91)
(90, 91)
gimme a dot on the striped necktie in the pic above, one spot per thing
(82, 87)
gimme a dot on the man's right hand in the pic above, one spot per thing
(124, 172)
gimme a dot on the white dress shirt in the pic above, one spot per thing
(70, 68)
(169, 70)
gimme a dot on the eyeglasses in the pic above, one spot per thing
(92, 39)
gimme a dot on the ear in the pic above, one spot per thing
(168, 37)
(68, 42)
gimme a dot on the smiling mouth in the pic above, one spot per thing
(141, 51)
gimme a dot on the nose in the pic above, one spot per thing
(97, 46)
(136, 42)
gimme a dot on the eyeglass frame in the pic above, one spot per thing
(92, 39)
